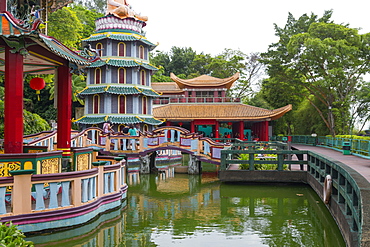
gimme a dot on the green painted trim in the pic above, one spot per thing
(22, 172)
(99, 163)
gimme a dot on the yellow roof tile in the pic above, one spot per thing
(166, 87)
(205, 81)
(218, 112)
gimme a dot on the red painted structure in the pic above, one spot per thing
(13, 125)
(46, 58)
(200, 104)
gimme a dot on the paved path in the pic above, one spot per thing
(361, 165)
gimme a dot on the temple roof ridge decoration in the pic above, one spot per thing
(205, 81)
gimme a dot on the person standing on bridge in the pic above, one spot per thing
(133, 132)
(107, 128)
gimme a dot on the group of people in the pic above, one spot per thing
(128, 130)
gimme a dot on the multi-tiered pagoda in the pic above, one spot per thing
(118, 85)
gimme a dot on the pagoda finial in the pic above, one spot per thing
(122, 9)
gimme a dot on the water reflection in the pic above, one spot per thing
(182, 210)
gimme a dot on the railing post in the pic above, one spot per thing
(77, 192)
(100, 178)
(281, 161)
(223, 160)
(141, 144)
(251, 161)
(21, 192)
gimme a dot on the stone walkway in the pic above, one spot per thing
(361, 165)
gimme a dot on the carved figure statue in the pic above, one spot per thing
(122, 9)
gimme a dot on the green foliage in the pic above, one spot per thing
(186, 64)
(67, 31)
(320, 62)
(10, 236)
(87, 19)
(159, 76)
(307, 120)
(33, 123)
(354, 137)
(259, 166)
(98, 6)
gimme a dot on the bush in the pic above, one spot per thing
(259, 166)
(10, 236)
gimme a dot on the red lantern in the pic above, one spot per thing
(37, 84)
(180, 124)
(229, 123)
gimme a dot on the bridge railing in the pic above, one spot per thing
(359, 147)
(24, 193)
(347, 193)
(119, 143)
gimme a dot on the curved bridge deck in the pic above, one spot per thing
(361, 165)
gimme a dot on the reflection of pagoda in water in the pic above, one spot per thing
(118, 85)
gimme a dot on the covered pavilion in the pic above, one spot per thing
(25, 50)
(201, 105)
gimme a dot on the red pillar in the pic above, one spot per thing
(241, 130)
(192, 127)
(13, 109)
(64, 85)
(2, 5)
(217, 127)
(267, 130)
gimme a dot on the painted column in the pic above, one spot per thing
(192, 127)
(3, 6)
(64, 102)
(267, 130)
(241, 129)
(13, 109)
(217, 127)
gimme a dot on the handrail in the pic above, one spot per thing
(358, 147)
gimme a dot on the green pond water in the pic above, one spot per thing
(197, 210)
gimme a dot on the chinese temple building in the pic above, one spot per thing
(119, 84)
(201, 105)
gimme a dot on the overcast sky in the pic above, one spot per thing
(211, 26)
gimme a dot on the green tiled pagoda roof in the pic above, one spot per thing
(120, 37)
(128, 119)
(121, 89)
(63, 51)
(122, 62)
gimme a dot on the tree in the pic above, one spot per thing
(313, 56)
(98, 6)
(67, 31)
(330, 60)
(185, 63)
(360, 111)
(87, 18)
